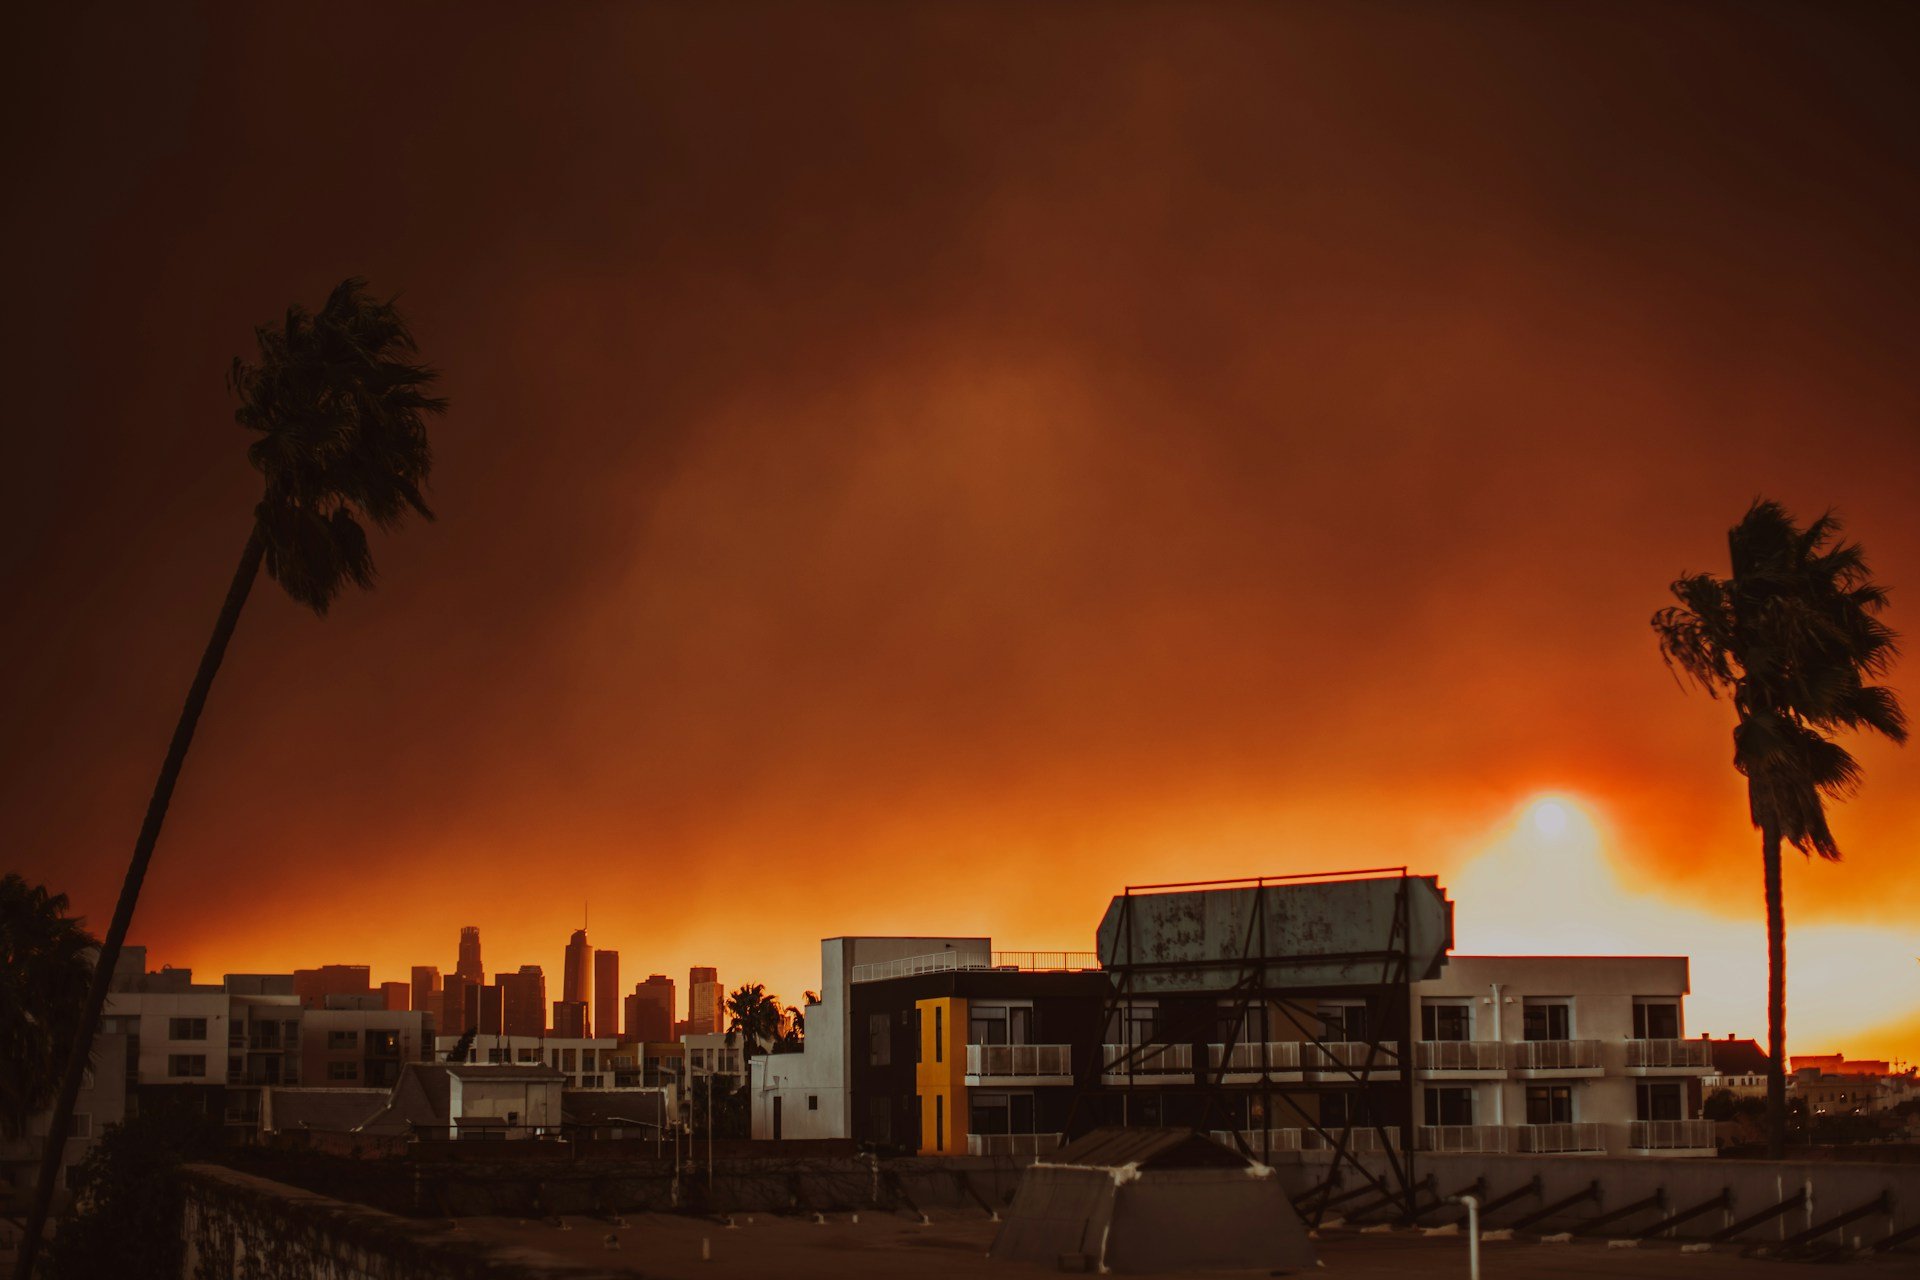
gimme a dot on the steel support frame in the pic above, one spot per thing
(1254, 989)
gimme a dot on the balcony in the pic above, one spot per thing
(1122, 1062)
(1259, 1141)
(1479, 1138)
(1556, 1057)
(1671, 1135)
(1349, 1057)
(1275, 1057)
(1663, 1057)
(1019, 1064)
(1358, 1139)
(1560, 1139)
(1462, 1059)
(1027, 1145)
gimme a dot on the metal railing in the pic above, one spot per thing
(1670, 1135)
(1257, 1140)
(950, 961)
(1019, 1060)
(1351, 1055)
(1153, 1060)
(1556, 1055)
(1461, 1137)
(1460, 1055)
(1670, 1053)
(1275, 1055)
(1358, 1139)
(1012, 1144)
(1550, 1139)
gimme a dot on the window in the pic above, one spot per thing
(880, 1115)
(343, 1071)
(987, 1026)
(1452, 1105)
(82, 1126)
(1000, 1112)
(1549, 1104)
(813, 1102)
(1134, 1024)
(939, 1034)
(338, 1040)
(186, 1028)
(499, 1056)
(1547, 1020)
(1346, 1022)
(919, 1036)
(1656, 1020)
(879, 1040)
(1338, 1108)
(1445, 1021)
(186, 1064)
(1659, 1100)
(530, 1055)
(383, 1042)
(939, 1122)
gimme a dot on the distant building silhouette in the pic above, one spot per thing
(397, 996)
(426, 993)
(606, 994)
(458, 1006)
(570, 1019)
(706, 1002)
(486, 1007)
(576, 979)
(313, 986)
(651, 1009)
(469, 966)
(523, 1001)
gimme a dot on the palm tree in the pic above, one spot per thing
(1793, 636)
(753, 1016)
(46, 962)
(339, 409)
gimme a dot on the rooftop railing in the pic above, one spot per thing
(951, 961)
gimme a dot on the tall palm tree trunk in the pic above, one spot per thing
(1776, 997)
(103, 968)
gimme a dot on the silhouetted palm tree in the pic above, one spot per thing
(1793, 637)
(46, 961)
(753, 1016)
(339, 408)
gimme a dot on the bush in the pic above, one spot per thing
(126, 1220)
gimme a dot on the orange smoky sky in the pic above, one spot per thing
(918, 469)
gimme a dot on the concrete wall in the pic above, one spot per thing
(239, 1227)
(1753, 1184)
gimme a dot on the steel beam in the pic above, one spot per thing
(1722, 1201)
(1882, 1203)
(1658, 1200)
(1768, 1214)
(1592, 1192)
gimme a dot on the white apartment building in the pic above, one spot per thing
(1560, 1054)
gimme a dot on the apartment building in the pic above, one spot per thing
(945, 1047)
(584, 1062)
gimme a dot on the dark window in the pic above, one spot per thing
(988, 1113)
(186, 1028)
(187, 1064)
(1445, 1022)
(939, 1121)
(1346, 1022)
(1660, 1100)
(1449, 1106)
(987, 1026)
(1656, 1020)
(879, 1040)
(919, 1036)
(919, 1122)
(939, 1034)
(1549, 1104)
(813, 1102)
(343, 1071)
(1336, 1108)
(1134, 1025)
(1547, 1021)
(343, 1039)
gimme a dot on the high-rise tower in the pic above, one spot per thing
(469, 966)
(576, 983)
(606, 994)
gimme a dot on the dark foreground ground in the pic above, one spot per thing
(891, 1245)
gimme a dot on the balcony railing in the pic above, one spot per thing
(1258, 1140)
(1153, 1060)
(1675, 1054)
(1460, 1055)
(1275, 1055)
(1461, 1137)
(1351, 1055)
(949, 961)
(1357, 1139)
(1012, 1144)
(1550, 1139)
(1019, 1060)
(1556, 1055)
(1670, 1135)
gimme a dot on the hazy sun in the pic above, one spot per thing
(1551, 816)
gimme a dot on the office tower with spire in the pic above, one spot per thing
(576, 984)
(606, 994)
